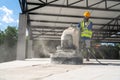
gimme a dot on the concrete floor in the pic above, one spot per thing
(42, 69)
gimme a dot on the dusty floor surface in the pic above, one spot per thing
(42, 69)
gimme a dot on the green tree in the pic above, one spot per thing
(11, 36)
(117, 45)
(2, 37)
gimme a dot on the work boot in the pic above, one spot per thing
(87, 59)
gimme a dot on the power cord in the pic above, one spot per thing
(91, 52)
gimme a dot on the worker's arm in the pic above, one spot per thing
(79, 26)
(90, 26)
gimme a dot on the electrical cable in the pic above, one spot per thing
(100, 61)
(95, 57)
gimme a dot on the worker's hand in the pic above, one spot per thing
(78, 25)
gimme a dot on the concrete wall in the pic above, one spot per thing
(7, 53)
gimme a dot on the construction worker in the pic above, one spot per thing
(85, 27)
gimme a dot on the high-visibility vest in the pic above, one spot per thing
(85, 32)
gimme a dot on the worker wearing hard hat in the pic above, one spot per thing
(86, 32)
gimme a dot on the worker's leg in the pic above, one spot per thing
(88, 45)
(82, 47)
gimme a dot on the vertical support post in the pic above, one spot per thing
(106, 4)
(46, 1)
(21, 44)
(30, 52)
(86, 3)
(67, 2)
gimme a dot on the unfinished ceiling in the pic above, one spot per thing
(48, 18)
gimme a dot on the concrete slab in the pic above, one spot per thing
(90, 73)
(23, 63)
(42, 69)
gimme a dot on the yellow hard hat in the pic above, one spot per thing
(87, 14)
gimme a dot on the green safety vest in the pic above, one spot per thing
(84, 30)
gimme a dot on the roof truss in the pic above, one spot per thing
(106, 31)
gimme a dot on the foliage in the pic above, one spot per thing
(117, 45)
(107, 52)
(9, 36)
(2, 37)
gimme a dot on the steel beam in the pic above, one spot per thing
(64, 15)
(114, 0)
(23, 5)
(42, 1)
(49, 27)
(113, 5)
(106, 30)
(40, 5)
(64, 22)
(51, 31)
(70, 4)
(47, 38)
(108, 24)
(46, 35)
(76, 7)
(96, 3)
(20, 2)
